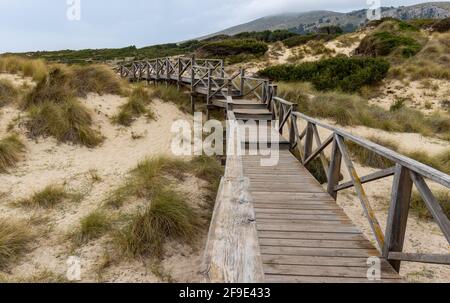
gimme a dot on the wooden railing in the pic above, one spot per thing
(407, 172)
(204, 76)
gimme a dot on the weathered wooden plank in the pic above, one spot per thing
(327, 212)
(291, 216)
(308, 222)
(321, 261)
(307, 228)
(323, 252)
(277, 206)
(324, 271)
(310, 235)
(308, 279)
(315, 243)
(421, 258)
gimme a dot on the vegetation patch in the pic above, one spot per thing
(304, 39)
(349, 110)
(48, 198)
(346, 74)
(232, 47)
(168, 217)
(99, 79)
(171, 94)
(419, 207)
(442, 25)
(11, 150)
(136, 106)
(369, 158)
(36, 69)
(14, 238)
(92, 227)
(8, 93)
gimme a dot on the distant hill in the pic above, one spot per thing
(310, 21)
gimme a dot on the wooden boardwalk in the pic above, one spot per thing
(277, 223)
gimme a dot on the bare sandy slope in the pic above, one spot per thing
(422, 236)
(47, 162)
(426, 95)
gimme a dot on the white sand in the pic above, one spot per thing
(47, 162)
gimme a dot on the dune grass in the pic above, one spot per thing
(67, 122)
(369, 158)
(8, 93)
(348, 110)
(419, 207)
(136, 106)
(11, 150)
(168, 217)
(48, 198)
(97, 78)
(36, 69)
(170, 93)
(14, 237)
(92, 227)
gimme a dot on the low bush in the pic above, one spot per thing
(385, 43)
(442, 25)
(8, 93)
(232, 47)
(304, 39)
(346, 74)
(11, 150)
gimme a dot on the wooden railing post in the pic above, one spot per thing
(222, 66)
(398, 214)
(208, 95)
(242, 87)
(308, 141)
(157, 70)
(334, 172)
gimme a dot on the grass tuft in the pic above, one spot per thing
(48, 198)
(419, 207)
(36, 69)
(14, 237)
(92, 227)
(168, 217)
(11, 149)
(8, 93)
(171, 94)
(135, 107)
(369, 158)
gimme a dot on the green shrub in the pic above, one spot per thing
(11, 149)
(266, 36)
(232, 47)
(8, 93)
(346, 74)
(442, 25)
(385, 43)
(304, 39)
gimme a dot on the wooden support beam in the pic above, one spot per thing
(432, 204)
(369, 178)
(398, 214)
(420, 258)
(319, 150)
(308, 142)
(375, 226)
(334, 172)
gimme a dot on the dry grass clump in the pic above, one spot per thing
(14, 237)
(419, 207)
(170, 93)
(11, 150)
(98, 79)
(8, 93)
(440, 161)
(369, 158)
(47, 198)
(168, 217)
(36, 69)
(147, 178)
(92, 227)
(67, 122)
(135, 107)
(349, 110)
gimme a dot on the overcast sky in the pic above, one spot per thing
(27, 25)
